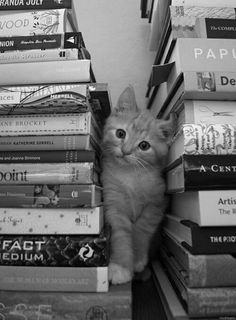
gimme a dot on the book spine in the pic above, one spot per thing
(67, 40)
(50, 196)
(64, 279)
(35, 5)
(39, 55)
(65, 71)
(50, 173)
(47, 156)
(47, 142)
(33, 22)
(19, 221)
(55, 124)
(202, 172)
(68, 305)
(55, 251)
(203, 3)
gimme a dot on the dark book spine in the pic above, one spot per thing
(66, 41)
(56, 250)
(211, 240)
(35, 5)
(220, 28)
(55, 156)
(209, 172)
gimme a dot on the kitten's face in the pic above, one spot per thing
(135, 138)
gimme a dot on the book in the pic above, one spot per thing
(209, 270)
(49, 173)
(44, 221)
(206, 208)
(202, 302)
(18, 56)
(49, 124)
(208, 112)
(203, 139)
(56, 156)
(49, 142)
(195, 86)
(32, 4)
(46, 73)
(201, 172)
(50, 196)
(171, 302)
(161, 16)
(73, 279)
(201, 240)
(51, 21)
(55, 250)
(116, 304)
(193, 54)
(57, 98)
(66, 40)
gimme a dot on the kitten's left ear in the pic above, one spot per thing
(167, 127)
(127, 101)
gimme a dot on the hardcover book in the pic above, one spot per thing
(203, 139)
(201, 240)
(203, 302)
(201, 172)
(32, 4)
(55, 251)
(50, 196)
(43, 221)
(48, 72)
(49, 124)
(206, 208)
(66, 40)
(209, 270)
(59, 279)
(34, 22)
(49, 173)
(49, 142)
(116, 304)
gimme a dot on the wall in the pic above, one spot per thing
(117, 39)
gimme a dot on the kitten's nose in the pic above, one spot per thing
(126, 150)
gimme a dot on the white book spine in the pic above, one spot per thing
(204, 3)
(38, 55)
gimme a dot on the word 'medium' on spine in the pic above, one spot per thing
(13, 176)
(209, 53)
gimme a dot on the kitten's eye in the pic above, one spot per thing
(120, 133)
(144, 145)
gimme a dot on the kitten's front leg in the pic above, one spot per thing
(144, 229)
(121, 261)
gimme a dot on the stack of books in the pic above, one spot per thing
(54, 244)
(195, 79)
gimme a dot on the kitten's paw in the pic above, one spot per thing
(119, 274)
(140, 265)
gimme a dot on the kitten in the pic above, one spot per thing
(135, 145)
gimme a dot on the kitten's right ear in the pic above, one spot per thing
(127, 101)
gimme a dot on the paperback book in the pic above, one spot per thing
(205, 207)
(54, 279)
(49, 173)
(55, 250)
(209, 270)
(201, 240)
(116, 304)
(49, 142)
(66, 40)
(48, 72)
(201, 172)
(50, 196)
(53, 221)
(34, 22)
(32, 4)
